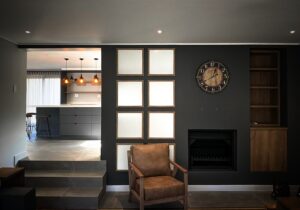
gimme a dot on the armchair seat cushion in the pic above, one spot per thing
(160, 187)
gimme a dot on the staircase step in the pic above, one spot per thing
(68, 198)
(57, 178)
(66, 184)
(64, 173)
(62, 165)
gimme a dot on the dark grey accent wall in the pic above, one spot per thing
(229, 109)
(198, 110)
(12, 105)
(293, 110)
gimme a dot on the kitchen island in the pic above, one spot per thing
(67, 121)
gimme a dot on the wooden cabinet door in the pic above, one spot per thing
(268, 149)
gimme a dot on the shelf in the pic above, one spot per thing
(261, 125)
(86, 82)
(83, 71)
(263, 69)
(264, 106)
(70, 92)
(264, 87)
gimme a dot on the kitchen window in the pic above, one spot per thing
(43, 88)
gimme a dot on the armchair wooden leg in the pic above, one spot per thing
(185, 203)
(186, 192)
(141, 193)
(141, 204)
(130, 196)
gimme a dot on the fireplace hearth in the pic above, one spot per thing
(212, 149)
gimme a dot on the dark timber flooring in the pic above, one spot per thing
(197, 200)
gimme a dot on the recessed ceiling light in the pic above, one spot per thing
(159, 31)
(292, 31)
(27, 32)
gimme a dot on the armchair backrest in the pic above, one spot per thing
(151, 159)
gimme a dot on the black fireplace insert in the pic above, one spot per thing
(212, 149)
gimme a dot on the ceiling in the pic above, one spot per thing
(94, 22)
(54, 59)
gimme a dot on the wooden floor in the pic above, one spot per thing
(56, 149)
(197, 200)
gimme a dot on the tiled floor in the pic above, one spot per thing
(78, 150)
(119, 200)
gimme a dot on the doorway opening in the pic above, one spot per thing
(63, 103)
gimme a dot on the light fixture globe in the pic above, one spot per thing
(80, 80)
(96, 80)
(66, 80)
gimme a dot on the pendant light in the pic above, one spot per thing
(80, 80)
(66, 80)
(96, 80)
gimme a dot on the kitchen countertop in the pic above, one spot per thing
(70, 106)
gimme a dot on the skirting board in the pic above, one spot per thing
(193, 188)
(19, 156)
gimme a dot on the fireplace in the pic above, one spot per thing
(212, 149)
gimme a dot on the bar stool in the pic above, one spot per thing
(45, 119)
(29, 123)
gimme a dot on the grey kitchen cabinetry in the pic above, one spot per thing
(80, 122)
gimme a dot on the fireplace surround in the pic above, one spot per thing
(212, 149)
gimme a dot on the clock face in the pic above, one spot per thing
(212, 76)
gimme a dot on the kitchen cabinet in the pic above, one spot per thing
(71, 121)
(80, 122)
(268, 149)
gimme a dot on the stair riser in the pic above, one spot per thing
(67, 203)
(63, 165)
(63, 182)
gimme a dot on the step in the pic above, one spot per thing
(68, 198)
(62, 165)
(58, 178)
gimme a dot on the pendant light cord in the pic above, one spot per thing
(81, 59)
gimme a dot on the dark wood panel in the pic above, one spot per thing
(264, 59)
(261, 116)
(268, 149)
(264, 78)
(264, 96)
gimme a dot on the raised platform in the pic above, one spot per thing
(66, 184)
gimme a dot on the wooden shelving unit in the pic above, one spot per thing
(268, 140)
(265, 87)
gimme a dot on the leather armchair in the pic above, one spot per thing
(152, 179)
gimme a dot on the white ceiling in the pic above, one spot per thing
(54, 59)
(95, 22)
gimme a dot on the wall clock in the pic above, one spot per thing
(212, 76)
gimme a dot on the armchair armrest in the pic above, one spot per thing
(137, 171)
(180, 168)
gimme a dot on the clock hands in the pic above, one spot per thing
(214, 75)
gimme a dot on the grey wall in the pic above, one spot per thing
(293, 110)
(12, 105)
(198, 110)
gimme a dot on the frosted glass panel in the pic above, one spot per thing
(161, 62)
(161, 93)
(130, 125)
(122, 160)
(130, 93)
(161, 125)
(172, 152)
(130, 62)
